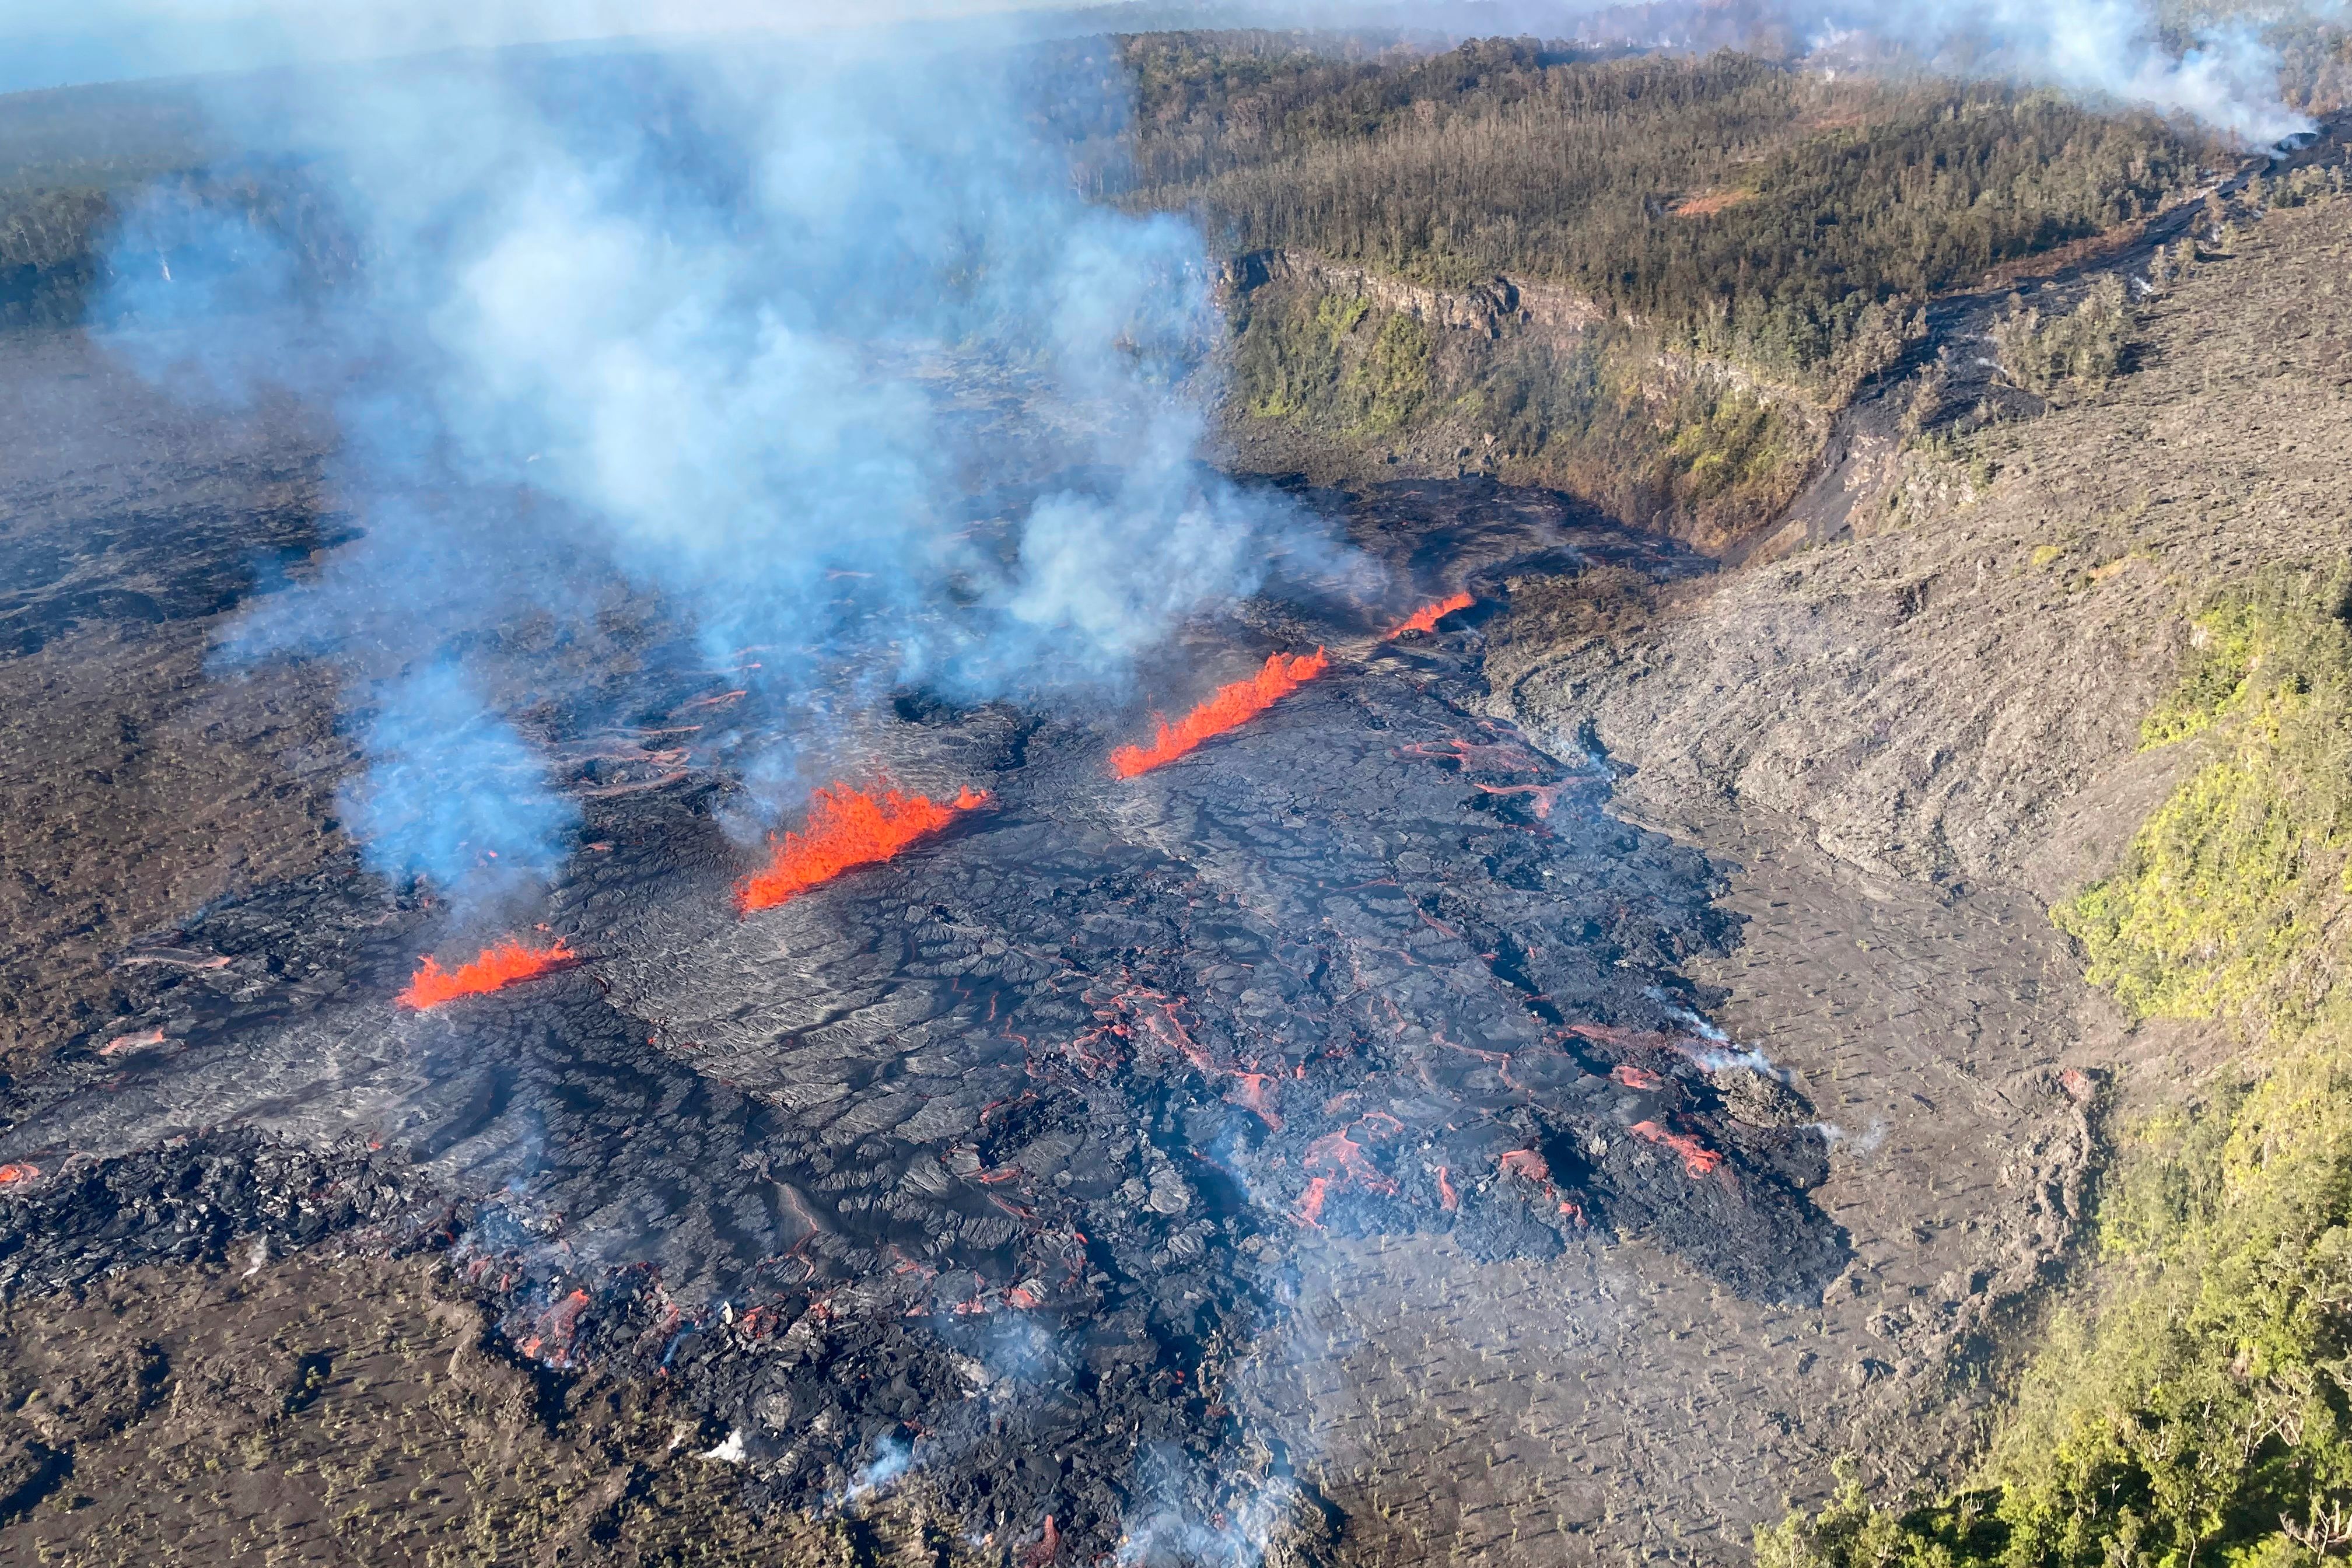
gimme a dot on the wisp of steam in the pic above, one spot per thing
(822, 351)
(2226, 75)
(818, 345)
(2217, 64)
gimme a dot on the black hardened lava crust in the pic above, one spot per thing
(987, 1160)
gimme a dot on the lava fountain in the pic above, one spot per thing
(505, 964)
(847, 828)
(1425, 618)
(1227, 707)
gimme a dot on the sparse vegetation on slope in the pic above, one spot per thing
(2228, 893)
(2203, 1408)
(2084, 346)
(1600, 411)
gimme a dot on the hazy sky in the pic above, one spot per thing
(44, 43)
(2228, 78)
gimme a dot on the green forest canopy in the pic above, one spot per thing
(1739, 203)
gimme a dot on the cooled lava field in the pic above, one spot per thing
(985, 1160)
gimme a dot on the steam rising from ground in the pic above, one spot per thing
(702, 325)
(2227, 76)
(695, 320)
(2218, 63)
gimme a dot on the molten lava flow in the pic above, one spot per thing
(1339, 1153)
(1527, 1163)
(496, 969)
(557, 1327)
(9, 1173)
(1425, 618)
(1698, 1160)
(1533, 1168)
(1310, 1202)
(1226, 708)
(1347, 1164)
(1256, 1090)
(1542, 797)
(1048, 1547)
(1633, 1077)
(847, 828)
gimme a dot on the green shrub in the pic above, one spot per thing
(1603, 414)
(2199, 1409)
(1286, 361)
(1392, 380)
(2084, 348)
(2226, 889)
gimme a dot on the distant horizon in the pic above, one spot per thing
(145, 40)
(120, 41)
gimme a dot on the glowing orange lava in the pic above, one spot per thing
(1527, 1163)
(1349, 1164)
(557, 1327)
(1256, 1091)
(1698, 1160)
(1533, 1169)
(1425, 618)
(1048, 1547)
(1339, 1153)
(847, 828)
(1226, 708)
(496, 969)
(17, 1173)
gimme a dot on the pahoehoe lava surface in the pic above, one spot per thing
(989, 1159)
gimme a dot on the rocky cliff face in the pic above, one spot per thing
(1353, 375)
(1491, 309)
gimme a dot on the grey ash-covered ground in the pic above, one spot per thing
(989, 1161)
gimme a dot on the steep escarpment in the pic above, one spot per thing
(1956, 691)
(1350, 375)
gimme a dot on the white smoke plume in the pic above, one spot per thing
(2217, 64)
(2227, 76)
(701, 320)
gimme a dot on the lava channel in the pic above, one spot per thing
(847, 828)
(1425, 618)
(498, 967)
(1227, 707)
